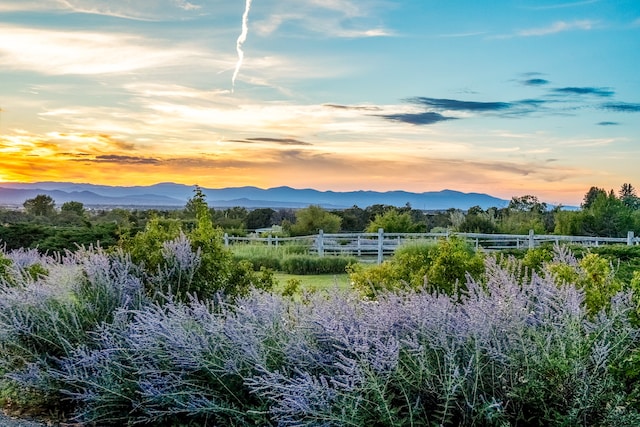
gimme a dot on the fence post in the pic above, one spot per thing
(359, 247)
(380, 245)
(269, 240)
(629, 238)
(532, 242)
(276, 241)
(226, 240)
(320, 243)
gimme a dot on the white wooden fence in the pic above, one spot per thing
(377, 245)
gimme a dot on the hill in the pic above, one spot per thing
(171, 195)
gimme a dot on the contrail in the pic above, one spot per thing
(241, 39)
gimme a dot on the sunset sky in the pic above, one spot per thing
(507, 98)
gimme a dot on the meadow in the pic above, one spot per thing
(170, 327)
(105, 337)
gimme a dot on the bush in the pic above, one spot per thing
(45, 319)
(438, 267)
(511, 349)
(311, 264)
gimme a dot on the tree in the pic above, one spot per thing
(591, 196)
(354, 219)
(527, 203)
(41, 205)
(260, 218)
(393, 221)
(312, 219)
(478, 221)
(628, 196)
(196, 204)
(607, 216)
(73, 207)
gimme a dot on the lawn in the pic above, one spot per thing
(315, 281)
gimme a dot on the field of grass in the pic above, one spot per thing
(314, 281)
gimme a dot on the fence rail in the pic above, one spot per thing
(381, 244)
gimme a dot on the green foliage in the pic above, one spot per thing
(527, 203)
(5, 265)
(313, 264)
(478, 221)
(216, 270)
(260, 218)
(536, 258)
(75, 207)
(292, 287)
(41, 205)
(435, 267)
(313, 219)
(393, 221)
(146, 246)
(594, 275)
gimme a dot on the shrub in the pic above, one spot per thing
(512, 349)
(311, 264)
(439, 267)
(43, 320)
(593, 274)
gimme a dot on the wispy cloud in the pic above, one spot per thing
(564, 5)
(456, 105)
(147, 11)
(136, 160)
(535, 82)
(608, 123)
(622, 107)
(558, 27)
(353, 107)
(279, 141)
(329, 18)
(596, 91)
(87, 53)
(426, 118)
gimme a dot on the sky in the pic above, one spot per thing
(507, 98)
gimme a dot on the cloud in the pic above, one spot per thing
(28, 5)
(280, 141)
(114, 158)
(622, 107)
(86, 53)
(456, 105)
(597, 91)
(330, 18)
(157, 10)
(564, 5)
(608, 123)
(535, 82)
(557, 27)
(427, 118)
(353, 107)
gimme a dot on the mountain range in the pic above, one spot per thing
(171, 195)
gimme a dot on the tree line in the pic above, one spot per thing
(41, 224)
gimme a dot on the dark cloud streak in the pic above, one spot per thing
(456, 105)
(535, 82)
(427, 118)
(596, 91)
(621, 107)
(280, 141)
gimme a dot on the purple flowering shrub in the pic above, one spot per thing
(44, 319)
(514, 347)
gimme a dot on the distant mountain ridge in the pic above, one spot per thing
(173, 195)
